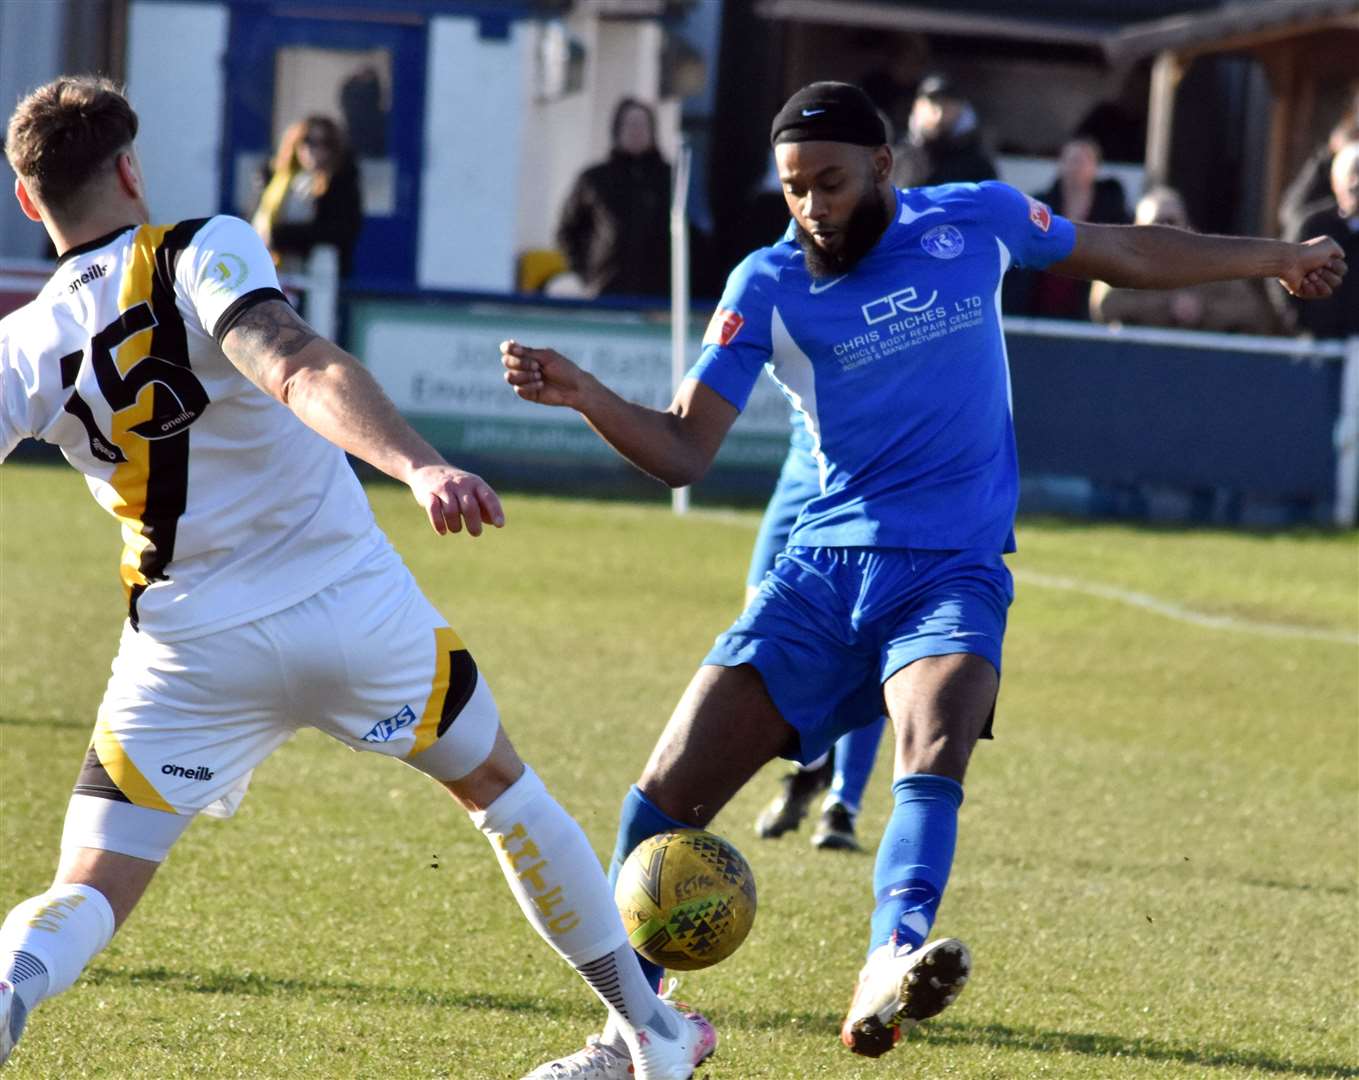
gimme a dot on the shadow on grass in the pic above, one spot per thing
(254, 984)
(1037, 1040)
(1091, 1044)
(83, 723)
(250, 984)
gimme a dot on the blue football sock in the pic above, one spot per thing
(914, 858)
(638, 820)
(855, 752)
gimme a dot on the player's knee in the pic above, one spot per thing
(485, 783)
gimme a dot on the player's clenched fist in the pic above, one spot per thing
(452, 497)
(543, 375)
(1317, 269)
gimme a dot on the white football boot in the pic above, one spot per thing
(898, 988)
(656, 1058)
(596, 1062)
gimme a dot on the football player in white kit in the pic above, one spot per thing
(212, 422)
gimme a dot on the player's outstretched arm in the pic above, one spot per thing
(675, 446)
(1159, 257)
(334, 395)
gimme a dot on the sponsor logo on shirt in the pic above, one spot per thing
(227, 272)
(1039, 214)
(198, 772)
(902, 302)
(384, 730)
(943, 242)
(723, 327)
(93, 273)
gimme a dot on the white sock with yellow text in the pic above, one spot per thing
(561, 888)
(47, 940)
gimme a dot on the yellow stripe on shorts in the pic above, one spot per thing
(124, 772)
(446, 642)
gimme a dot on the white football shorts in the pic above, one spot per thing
(367, 660)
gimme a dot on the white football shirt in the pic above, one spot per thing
(231, 508)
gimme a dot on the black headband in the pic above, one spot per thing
(828, 112)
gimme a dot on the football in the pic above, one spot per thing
(687, 899)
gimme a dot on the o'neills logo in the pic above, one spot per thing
(95, 271)
(200, 772)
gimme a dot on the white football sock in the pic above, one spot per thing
(62, 930)
(561, 888)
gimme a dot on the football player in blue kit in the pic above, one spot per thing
(878, 315)
(847, 767)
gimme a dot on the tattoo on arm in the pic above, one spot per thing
(264, 335)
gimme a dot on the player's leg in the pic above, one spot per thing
(404, 684)
(942, 676)
(160, 753)
(723, 731)
(762, 691)
(939, 706)
(47, 940)
(854, 754)
(559, 885)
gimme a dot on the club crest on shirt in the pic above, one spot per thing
(943, 242)
(227, 272)
(723, 327)
(1039, 214)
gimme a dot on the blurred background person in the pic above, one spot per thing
(615, 223)
(365, 115)
(1223, 306)
(943, 143)
(1078, 193)
(1310, 189)
(893, 82)
(312, 196)
(1338, 218)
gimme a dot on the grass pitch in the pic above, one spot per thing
(1156, 870)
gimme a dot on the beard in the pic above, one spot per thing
(865, 226)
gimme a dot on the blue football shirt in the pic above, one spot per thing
(896, 369)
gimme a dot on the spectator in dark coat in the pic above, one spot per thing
(1079, 194)
(943, 144)
(615, 224)
(312, 196)
(1337, 316)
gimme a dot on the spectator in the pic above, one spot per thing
(312, 196)
(1338, 218)
(1223, 306)
(1312, 185)
(892, 84)
(365, 116)
(1078, 194)
(943, 143)
(1119, 124)
(615, 224)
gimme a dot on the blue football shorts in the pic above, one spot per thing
(830, 625)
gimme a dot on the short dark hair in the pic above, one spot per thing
(65, 133)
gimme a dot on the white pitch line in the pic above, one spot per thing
(1182, 614)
